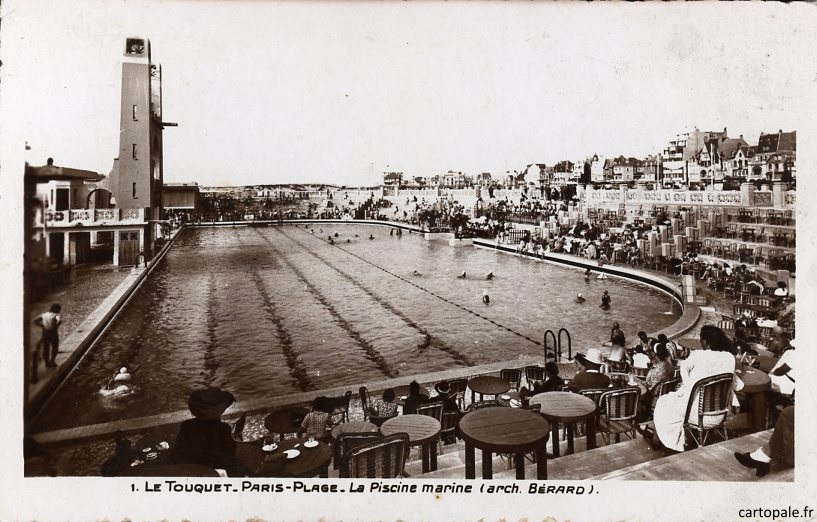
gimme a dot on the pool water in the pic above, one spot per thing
(276, 310)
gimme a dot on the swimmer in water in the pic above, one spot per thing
(371, 236)
(348, 240)
(118, 384)
(605, 300)
(489, 276)
(418, 274)
(462, 275)
(485, 298)
(579, 298)
(336, 234)
(355, 235)
(587, 276)
(391, 232)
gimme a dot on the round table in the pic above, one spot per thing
(755, 385)
(504, 430)
(690, 343)
(422, 431)
(568, 408)
(487, 385)
(402, 392)
(310, 461)
(348, 427)
(285, 420)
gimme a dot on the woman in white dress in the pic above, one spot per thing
(717, 357)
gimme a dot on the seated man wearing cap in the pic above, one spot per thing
(206, 439)
(445, 396)
(552, 381)
(590, 377)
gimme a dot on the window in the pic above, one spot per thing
(135, 113)
(134, 189)
(134, 151)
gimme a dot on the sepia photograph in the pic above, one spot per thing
(406, 260)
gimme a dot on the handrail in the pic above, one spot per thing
(569, 344)
(556, 353)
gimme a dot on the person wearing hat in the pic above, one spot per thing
(590, 377)
(445, 396)
(551, 382)
(207, 440)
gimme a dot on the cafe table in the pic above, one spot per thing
(504, 431)
(755, 385)
(348, 427)
(567, 408)
(401, 394)
(487, 385)
(285, 420)
(422, 431)
(307, 463)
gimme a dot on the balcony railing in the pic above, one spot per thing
(94, 217)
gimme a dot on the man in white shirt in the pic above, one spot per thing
(50, 341)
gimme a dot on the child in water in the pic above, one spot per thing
(605, 300)
(485, 298)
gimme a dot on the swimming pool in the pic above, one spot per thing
(275, 310)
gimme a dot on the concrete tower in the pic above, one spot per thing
(140, 138)
(137, 182)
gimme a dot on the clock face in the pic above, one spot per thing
(135, 46)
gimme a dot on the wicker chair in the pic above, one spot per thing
(365, 401)
(431, 409)
(663, 388)
(378, 420)
(458, 388)
(617, 413)
(619, 366)
(534, 373)
(712, 396)
(448, 426)
(383, 458)
(512, 376)
(349, 441)
(341, 407)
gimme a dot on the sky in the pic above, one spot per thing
(339, 92)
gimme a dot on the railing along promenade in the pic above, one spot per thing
(778, 196)
(92, 217)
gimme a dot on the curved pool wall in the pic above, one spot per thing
(683, 324)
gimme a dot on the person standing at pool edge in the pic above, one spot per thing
(50, 322)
